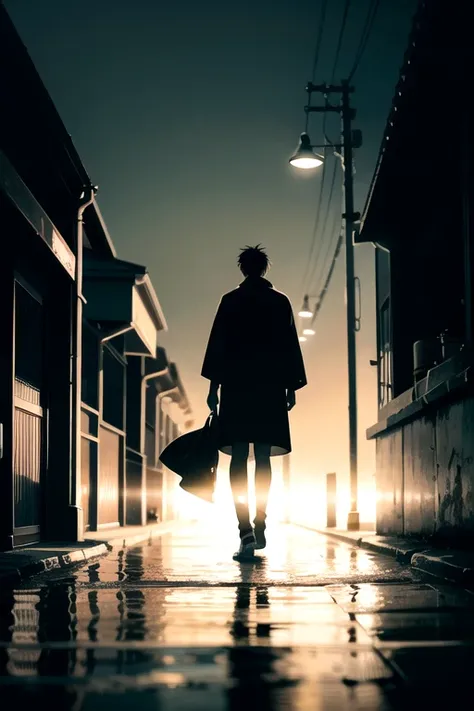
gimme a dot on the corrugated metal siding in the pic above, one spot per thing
(86, 451)
(135, 489)
(154, 492)
(27, 468)
(150, 445)
(26, 392)
(108, 494)
(28, 417)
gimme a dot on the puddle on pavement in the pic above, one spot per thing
(250, 615)
(196, 555)
(240, 679)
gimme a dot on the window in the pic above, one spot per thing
(90, 367)
(29, 339)
(150, 413)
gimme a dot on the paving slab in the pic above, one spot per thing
(370, 598)
(418, 626)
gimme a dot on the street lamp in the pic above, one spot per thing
(305, 311)
(305, 158)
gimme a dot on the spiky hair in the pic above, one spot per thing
(253, 261)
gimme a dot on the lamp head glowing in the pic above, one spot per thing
(305, 158)
(305, 311)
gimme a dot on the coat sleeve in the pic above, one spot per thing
(215, 355)
(296, 374)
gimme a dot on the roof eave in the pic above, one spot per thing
(156, 312)
(390, 125)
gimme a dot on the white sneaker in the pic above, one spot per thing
(247, 548)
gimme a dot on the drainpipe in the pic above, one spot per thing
(75, 528)
(145, 379)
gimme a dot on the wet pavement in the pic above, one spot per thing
(314, 624)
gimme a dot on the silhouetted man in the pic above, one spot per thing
(254, 356)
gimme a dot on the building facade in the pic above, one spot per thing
(80, 365)
(418, 218)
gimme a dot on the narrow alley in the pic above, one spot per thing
(312, 624)
(184, 275)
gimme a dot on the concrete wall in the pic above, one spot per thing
(425, 474)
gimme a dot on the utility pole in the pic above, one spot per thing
(349, 140)
(353, 522)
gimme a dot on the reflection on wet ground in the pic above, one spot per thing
(294, 556)
(175, 625)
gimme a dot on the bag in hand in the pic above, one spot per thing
(194, 457)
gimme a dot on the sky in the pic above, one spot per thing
(185, 115)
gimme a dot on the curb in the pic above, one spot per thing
(402, 550)
(14, 574)
(42, 565)
(444, 565)
(450, 565)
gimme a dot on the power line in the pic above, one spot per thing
(330, 245)
(317, 51)
(341, 37)
(316, 223)
(323, 230)
(307, 279)
(324, 290)
(365, 35)
(318, 208)
(333, 179)
(307, 273)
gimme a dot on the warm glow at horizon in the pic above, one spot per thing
(305, 502)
